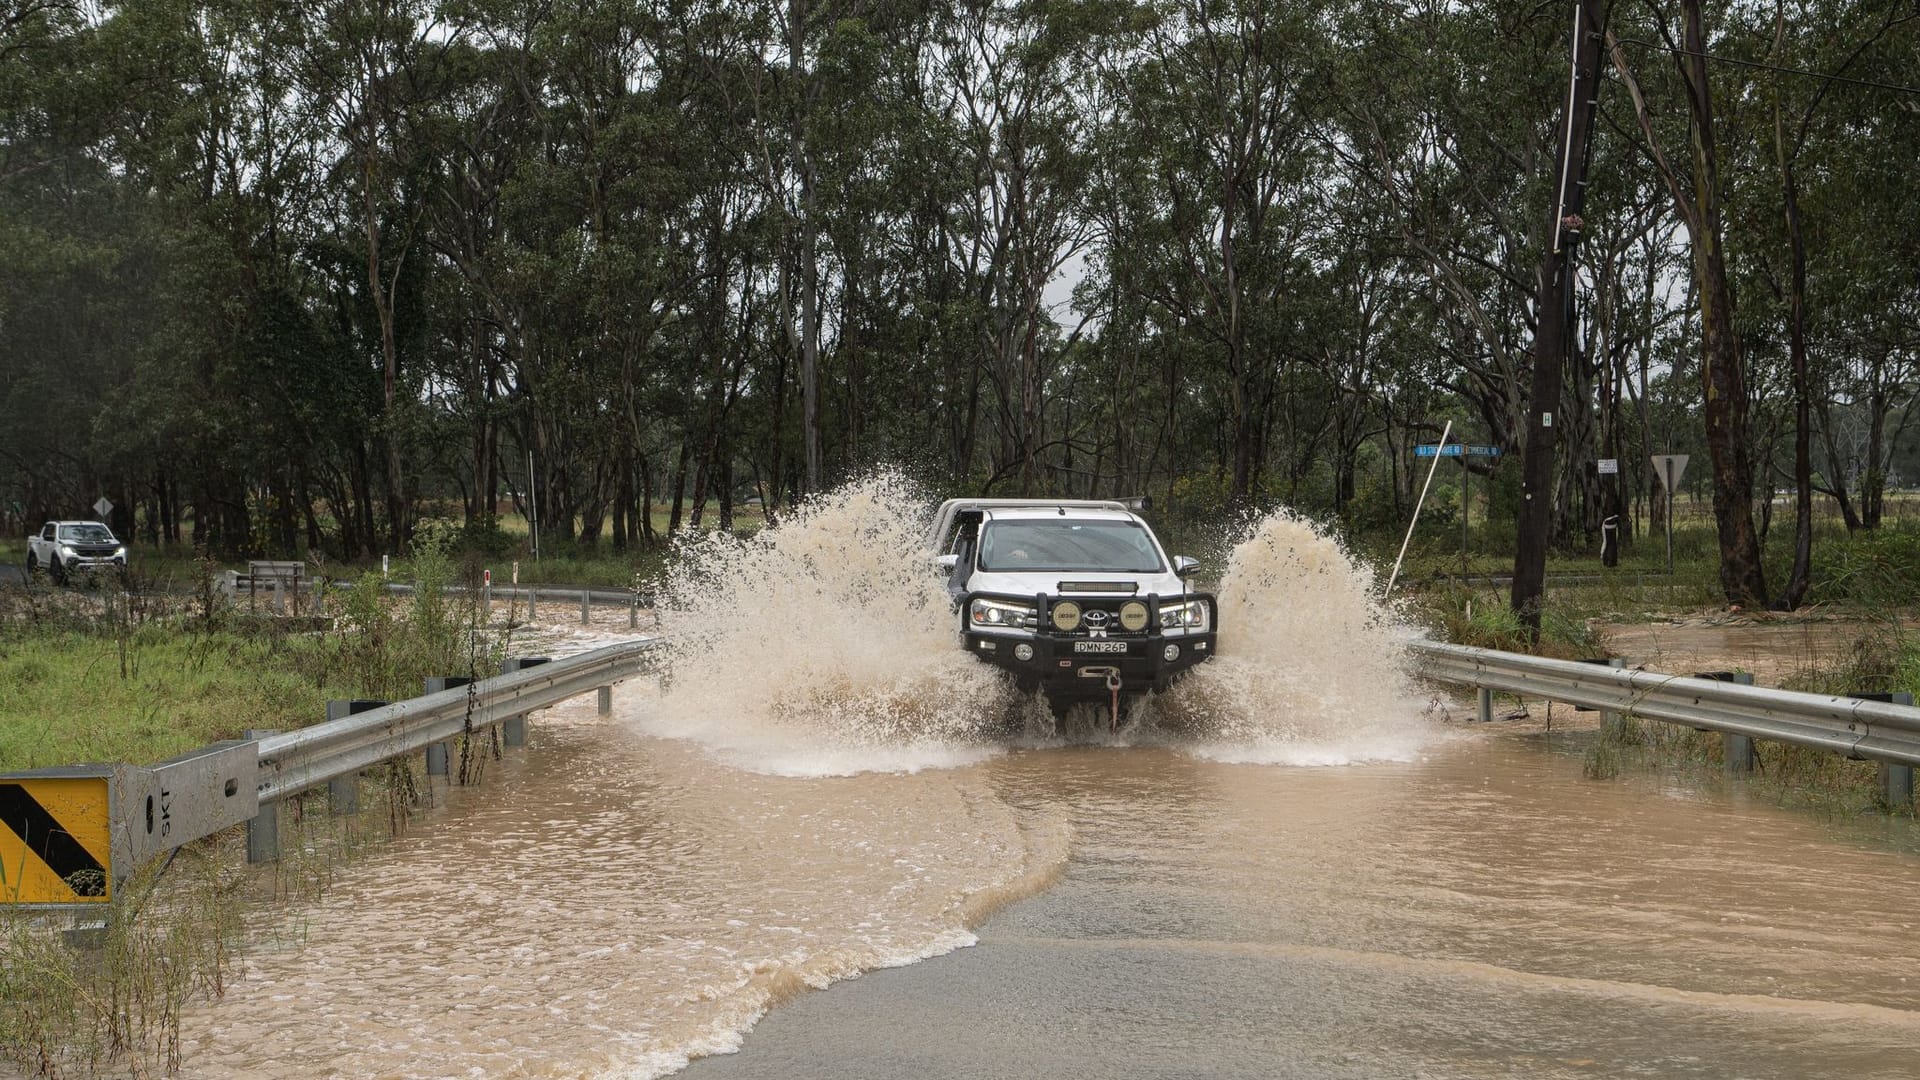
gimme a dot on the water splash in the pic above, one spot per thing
(1311, 668)
(824, 645)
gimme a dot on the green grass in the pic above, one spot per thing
(64, 699)
(84, 678)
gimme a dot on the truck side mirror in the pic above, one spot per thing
(1184, 565)
(946, 563)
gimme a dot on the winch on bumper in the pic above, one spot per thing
(1078, 664)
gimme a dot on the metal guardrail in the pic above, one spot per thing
(1854, 728)
(297, 760)
(533, 594)
(520, 592)
(69, 836)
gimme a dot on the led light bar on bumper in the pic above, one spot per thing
(996, 613)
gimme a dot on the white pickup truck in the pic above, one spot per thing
(1075, 598)
(67, 548)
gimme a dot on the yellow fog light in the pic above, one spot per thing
(1133, 616)
(1066, 616)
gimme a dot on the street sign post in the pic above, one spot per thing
(1462, 451)
(1670, 468)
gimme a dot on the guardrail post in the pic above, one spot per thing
(1736, 751)
(513, 730)
(533, 596)
(1485, 706)
(633, 612)
(586, 606)
(1609, 720)
(606, 701)
(439, 754)
(343, 793)
(1896, 780)
(263, 829)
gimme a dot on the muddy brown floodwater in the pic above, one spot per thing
(619, 903)
(842, 848)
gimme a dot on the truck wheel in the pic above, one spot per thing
(33, 563)
(56, 571)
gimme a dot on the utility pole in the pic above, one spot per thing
(1553, 309)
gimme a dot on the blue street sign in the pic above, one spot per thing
(1454, 450)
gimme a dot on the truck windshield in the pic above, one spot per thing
(86, 534)
(1066, 544)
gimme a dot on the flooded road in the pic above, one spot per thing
(832, 818)
(1482, 912)
(621, 903)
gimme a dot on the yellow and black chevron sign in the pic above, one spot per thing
(54, 840)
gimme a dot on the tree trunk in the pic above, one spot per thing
(679, 485)
(1802, 384)
(809, 249)
(1722, 375)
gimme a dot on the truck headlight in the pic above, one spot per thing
(1191, 615)
(120, 553)
(999, 613)
(64, 551)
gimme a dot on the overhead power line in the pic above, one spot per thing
(1912, 91)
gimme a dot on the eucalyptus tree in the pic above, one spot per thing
(1009, 95)
(368, 69)
(1697, 197)
(1445, 113)
(1221, 102)
(53, 184)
